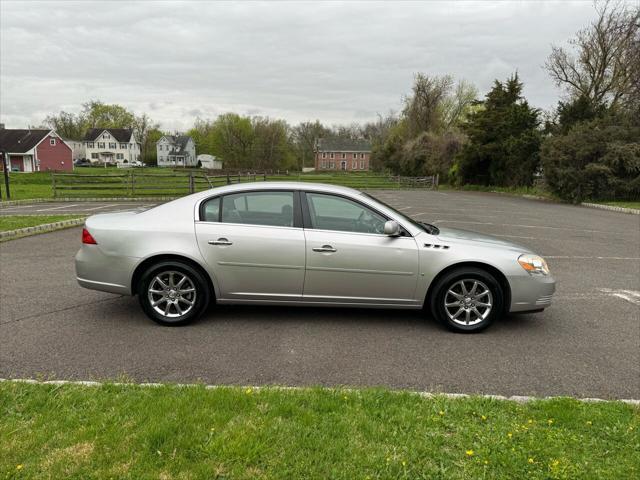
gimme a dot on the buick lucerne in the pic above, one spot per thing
(290, 243)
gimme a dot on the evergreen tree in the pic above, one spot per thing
(504, 139)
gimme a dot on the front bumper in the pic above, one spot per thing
(530, 293)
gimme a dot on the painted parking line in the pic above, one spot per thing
(57, 208)
(97, 208)
(523, 226)
(631, 296)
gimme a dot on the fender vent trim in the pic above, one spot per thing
(435, 246)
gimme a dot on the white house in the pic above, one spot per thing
(111, 145)
(77, 148)
(176, 151)
(209, 162)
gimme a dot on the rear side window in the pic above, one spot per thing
(259, 208)
(212, 210)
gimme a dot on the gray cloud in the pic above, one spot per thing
(338, 62)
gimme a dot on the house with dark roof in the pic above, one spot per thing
(111, 145)
(342, 154)
(35, 150)
(176, 151)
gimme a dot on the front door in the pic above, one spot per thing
(254, 245)
(343, 165)
(351, 261)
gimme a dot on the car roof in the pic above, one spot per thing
(260, 185)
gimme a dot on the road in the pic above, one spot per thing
(587, 344)
(72, 208)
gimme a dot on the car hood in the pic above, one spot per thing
(457, 235)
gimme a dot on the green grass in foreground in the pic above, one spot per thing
(49, 431)
(635, 205)
(13, 222)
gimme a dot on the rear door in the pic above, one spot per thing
(349, 258)
(254, 244)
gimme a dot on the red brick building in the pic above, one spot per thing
(339, 154)
(35, 150)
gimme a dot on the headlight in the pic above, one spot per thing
(533, 264)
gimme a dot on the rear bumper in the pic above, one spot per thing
(108, 273)
(529, 293)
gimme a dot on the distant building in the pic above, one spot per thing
(342, 154)
(111, 145)
(35, 150)
(209, 162)
(176, 151)
(77, 148)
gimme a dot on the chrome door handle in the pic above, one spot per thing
(220, 241)
(324, 248)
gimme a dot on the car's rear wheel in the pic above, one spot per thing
(467, 300)
(173, 293)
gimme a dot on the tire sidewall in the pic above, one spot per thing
(202, 293)
(437, 301)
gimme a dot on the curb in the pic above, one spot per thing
(9, 203)
(513, 398)
(632, 211)
(47, 227)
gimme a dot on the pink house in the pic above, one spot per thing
(35, 150)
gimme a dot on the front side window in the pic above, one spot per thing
(258, 208)
(100, 144)
(329, 212)
(112, 145)
(94, 155)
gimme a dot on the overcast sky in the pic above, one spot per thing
(335, 61)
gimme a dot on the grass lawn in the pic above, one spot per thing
(113, 431)
(635, 205)
(13, 222)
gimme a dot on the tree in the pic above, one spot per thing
(67, 125)
(598, 159)
(101, 115)
(504, 139)
(271, 149)
(604, 66)
(142, 126)
(304, 137)
(232, 139)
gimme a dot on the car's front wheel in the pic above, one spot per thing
(173, 293)
(467, 300)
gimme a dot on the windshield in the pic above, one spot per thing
(425, 227)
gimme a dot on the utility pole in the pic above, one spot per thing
(6, 164)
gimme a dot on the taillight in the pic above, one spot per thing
(87, 238)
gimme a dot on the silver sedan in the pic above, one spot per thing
(289, 243)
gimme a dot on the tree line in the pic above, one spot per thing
(586, 147)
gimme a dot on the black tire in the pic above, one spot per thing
(200, 297)
(453, 279)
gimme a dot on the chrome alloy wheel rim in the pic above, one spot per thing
(172, 294)
(468, 302)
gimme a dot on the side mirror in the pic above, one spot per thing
(392, 228)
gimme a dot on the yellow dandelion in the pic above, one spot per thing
(530, 460)
(470, 453)
(550, 421)
(530, 421)
(631, 428)
(19, 466)
(344, 397)
(555, 463)
(249, 391)
(388, 459)
(484, 417)
(404, 464)
(441, 412)
(589, 422)
(486, 462)
(509, 434)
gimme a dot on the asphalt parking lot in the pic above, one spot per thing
(586, 344)
(71, 208)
